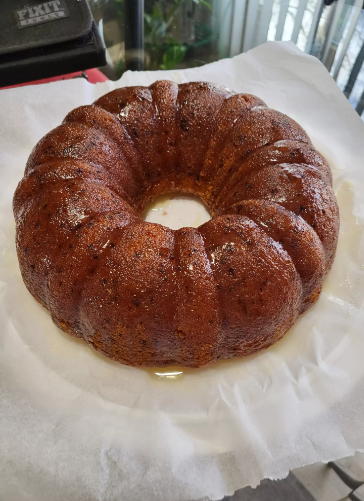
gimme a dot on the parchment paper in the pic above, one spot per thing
(76, 426)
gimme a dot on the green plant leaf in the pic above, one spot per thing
(206, 4)
(172, 41)
(157, 13)
(161, 30)
(203, 2)
(173, 56)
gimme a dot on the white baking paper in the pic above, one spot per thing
(77, 426)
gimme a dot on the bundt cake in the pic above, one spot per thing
(141, 293)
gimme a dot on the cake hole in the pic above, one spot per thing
(177, 211)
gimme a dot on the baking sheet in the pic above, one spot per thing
(75, 425)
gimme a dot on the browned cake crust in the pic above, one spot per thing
(146, 295)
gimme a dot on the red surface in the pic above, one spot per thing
(94, 76)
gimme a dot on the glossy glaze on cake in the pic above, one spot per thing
(144, 294)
